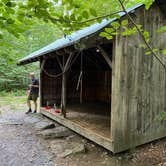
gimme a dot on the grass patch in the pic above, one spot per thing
(13, 93)
(15, 100)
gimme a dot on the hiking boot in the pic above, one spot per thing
(34, 111)
(29, 111)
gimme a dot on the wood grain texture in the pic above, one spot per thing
(139, 86)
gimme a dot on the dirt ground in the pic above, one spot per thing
(20, 146)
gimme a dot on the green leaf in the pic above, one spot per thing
(109, 37)
(148, 3)
(115, 25)
(151, 51)
(85, 14)
(148, 52)
(114, 33)
(146, 35)
(10, 21)
(9, 4)
(79, 18)
(129, 31)
(142, 46)
(109, 30)
(1, 36)
(93, 12)
(162, 29)
(104, 34)
(124, 22)
(164, 51)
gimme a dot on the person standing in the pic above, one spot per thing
(33, 93)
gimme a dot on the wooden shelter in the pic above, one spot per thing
(109, 91)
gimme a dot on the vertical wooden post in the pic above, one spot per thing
(40, 84)
(64, 89)
(113, 91)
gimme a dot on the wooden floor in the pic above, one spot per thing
(87, 120)
(95, 117)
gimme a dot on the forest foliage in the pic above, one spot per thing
(13, 48)
(27, 25)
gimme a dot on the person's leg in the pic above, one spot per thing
(35, 103)
(29, 103)
(29, 106)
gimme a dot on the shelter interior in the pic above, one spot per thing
(88, 87)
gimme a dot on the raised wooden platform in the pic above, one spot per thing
(79, 128)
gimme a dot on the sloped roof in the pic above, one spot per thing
(71, 39)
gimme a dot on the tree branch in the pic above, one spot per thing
(157, 56)
(99, 17)
(83, 22)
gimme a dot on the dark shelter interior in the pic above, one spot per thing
(88, 87)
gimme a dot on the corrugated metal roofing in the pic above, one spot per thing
(71, 39)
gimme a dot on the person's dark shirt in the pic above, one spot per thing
(35, 90)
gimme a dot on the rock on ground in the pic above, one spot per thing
(58, 132)
(42, 125)
(79, 148)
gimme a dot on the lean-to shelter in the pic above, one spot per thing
(108, 91)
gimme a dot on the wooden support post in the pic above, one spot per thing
(68, 61)
(40, 84)
(63, 102)
(105, 56)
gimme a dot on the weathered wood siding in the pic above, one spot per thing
(139, 85)
(96, 82)
(96, 86)
(51, 87)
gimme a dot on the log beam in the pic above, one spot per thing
(63, 102)
(105, 56)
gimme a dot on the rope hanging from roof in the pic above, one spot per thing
(68, 64)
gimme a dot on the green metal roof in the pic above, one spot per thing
(71, 39)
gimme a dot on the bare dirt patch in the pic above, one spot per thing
(20, 145)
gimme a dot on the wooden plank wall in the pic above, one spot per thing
(97, 86)
(51, 87)
(139, 86)
(96, 83)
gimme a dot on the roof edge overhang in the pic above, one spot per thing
(72, 39)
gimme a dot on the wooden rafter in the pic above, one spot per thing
(105, 56)
(58, 60)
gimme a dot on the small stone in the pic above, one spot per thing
(84, 141)
(70, 137)
(42, 125)
(105, 153)
(93, 145)
(58, 132)
(79, 148)
(120, 158)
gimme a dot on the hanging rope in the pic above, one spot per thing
(69, 63)
(80, 78)
(81, 72)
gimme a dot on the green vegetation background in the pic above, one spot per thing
(37, 35)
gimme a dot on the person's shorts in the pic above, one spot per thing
(33, 96)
